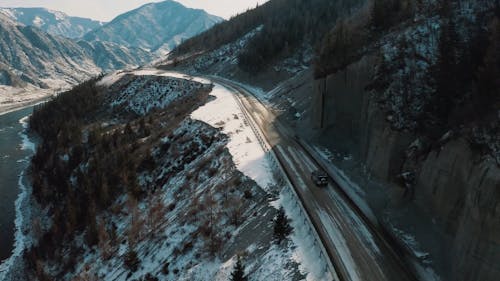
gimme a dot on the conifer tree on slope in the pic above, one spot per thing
(282, 226)
(238, 273)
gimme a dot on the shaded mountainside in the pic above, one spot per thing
(156, 26)
(52, 22)
(31, 56)
(405, 97)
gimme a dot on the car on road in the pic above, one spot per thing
(320, 178)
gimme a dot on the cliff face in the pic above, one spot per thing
(455, 183)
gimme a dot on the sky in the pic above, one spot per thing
(106, 10)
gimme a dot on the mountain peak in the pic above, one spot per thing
(155, 26)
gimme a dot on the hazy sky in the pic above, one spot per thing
(106, 10)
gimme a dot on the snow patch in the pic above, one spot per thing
(38, 21)
(146, 93)
(223, 112)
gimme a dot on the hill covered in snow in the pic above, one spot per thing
(174, 191)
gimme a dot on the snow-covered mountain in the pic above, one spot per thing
(52, 22)
(35, 57)
(31, 56)
(156, 26)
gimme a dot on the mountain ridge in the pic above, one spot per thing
(52, 21)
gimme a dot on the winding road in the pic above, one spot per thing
(358, 250)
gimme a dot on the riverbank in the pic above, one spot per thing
(15, 106)
(11, 268)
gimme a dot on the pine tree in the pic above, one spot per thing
(282, 226)
(91, 235)
(238, 273)
(379, 14)
(131, 260)
(488, 75)
(385, 13)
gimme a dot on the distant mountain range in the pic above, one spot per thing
(40, 46)
(53, 22)
(32, 56)
(29, 55)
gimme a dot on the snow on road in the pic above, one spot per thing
(308, 251)
(335, 233)
(354, 220)
(223, 112)
(355, 192)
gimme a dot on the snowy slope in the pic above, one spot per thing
(200, 210)
(145, 94)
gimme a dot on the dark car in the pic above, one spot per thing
(320, 178)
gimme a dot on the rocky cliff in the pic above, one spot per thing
(459, 186)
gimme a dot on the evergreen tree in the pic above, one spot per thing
(238, 273)
(91, 236)
(282, 226)
(385, 13)
(129, 132)
(379, 14)
(488, 75)
(131, 260)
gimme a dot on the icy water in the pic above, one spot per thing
(14, 155)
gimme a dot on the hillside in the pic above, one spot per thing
(157, 27)
(281, 36)
(142, 181)
(401, 96)
(52, 22)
